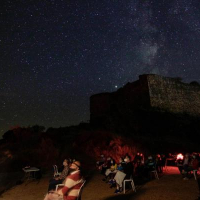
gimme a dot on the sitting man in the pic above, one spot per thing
(126, 174)
(58, 180)
(72, 185)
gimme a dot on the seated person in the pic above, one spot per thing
(106, 165)
(121, 164)
(120, 167)
(126, 174)
(58, 180)
(72, 185)
(149, 166)
(112, 169)
(100, 162)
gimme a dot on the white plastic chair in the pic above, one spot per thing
(132, 184)
(195, 174)
(81, 190)
(59, 185)
(56, 173)
(155, 174)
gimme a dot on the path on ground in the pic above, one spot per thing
(169, 187)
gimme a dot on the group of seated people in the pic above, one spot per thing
(188, 163)
(71, 179)
(117, 171)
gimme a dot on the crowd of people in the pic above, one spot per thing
(71, 180)
(116, 171)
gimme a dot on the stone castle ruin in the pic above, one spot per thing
(150, 92)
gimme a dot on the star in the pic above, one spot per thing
(54, 56)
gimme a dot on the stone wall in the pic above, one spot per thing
(173, 95)
(150, 91)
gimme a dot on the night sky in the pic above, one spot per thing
(55, 54)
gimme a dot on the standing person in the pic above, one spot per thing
(142, 158)
(137, 159)
(72, 185)
(195, 166)
(158, 163)
(186, 166)
(195, 162)
(163, 161)
(58, 180)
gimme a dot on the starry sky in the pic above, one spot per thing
(55, 54)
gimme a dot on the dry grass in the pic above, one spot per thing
(169, 187)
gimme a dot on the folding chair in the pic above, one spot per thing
(132, 184)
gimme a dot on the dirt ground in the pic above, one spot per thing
(170, 186)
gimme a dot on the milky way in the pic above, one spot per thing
(55, 54)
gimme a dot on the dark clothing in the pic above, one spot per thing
(128, 170)
(105, 166)
(159, 165)
(123, 164)
(195, 164)
(163, 161)
(184, 168)
(148, 167)
(150, 164)
(137, 159)
(53, 183)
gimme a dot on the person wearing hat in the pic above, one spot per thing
(72, 185)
